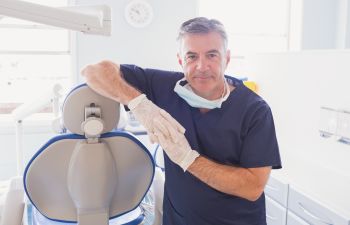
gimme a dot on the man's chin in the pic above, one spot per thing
(201, 90)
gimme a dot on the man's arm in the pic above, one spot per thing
(105, 78)
(248, 183)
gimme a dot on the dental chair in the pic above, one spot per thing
(92, 176)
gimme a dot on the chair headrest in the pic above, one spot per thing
(80, 100)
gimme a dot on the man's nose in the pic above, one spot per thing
(202, 64)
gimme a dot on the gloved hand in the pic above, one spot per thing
(155, 119)
(181, 152)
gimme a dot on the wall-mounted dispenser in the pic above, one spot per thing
(335, 123)
(343, 126)
(328, 121)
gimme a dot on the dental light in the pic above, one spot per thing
(87, 19)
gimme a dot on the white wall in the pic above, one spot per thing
(347, 36)
(35, 135)
(325, 24)
(319, 20)
(153, 46)
(295, 85)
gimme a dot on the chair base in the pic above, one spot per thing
(135, 217)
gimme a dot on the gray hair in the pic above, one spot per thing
(203, 25)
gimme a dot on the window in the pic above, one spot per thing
(252, 26)
(33, 57)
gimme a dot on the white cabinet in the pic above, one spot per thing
(288, 205)
(293, 219)
(277, 190)
(275, 213)
(276, 194)
(312, 211)
(3, 191)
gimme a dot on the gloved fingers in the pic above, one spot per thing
(173, 121)
(160, 126)
(162, 140)
(171, 131)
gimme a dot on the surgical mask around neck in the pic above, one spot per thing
(194, 100)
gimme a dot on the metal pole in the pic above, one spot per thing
(19, 147)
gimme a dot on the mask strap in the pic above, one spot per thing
(226, 91)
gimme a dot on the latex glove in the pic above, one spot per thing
(155, 119)
(180, 153)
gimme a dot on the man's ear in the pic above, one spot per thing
(179, 59)
(228, 57)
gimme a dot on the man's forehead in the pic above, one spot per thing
(207, 52)
(204, 42)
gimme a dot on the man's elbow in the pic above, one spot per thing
(255, 194)
(254, 197)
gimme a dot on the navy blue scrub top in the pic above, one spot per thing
(240, 133)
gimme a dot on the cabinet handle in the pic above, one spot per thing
(307, 212)
(271, 217)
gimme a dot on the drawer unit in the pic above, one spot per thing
(313, 211)
(3, 192)
(275, 213)
(293, 219)
(277, 190)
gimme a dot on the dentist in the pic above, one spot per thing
(218, 136)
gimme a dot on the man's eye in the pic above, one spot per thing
(212, 55)
(190, 57)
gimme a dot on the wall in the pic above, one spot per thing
(325, 24)
(153, 46)
(319, 20)
(295, 85)
(347, 36)
(35, 135)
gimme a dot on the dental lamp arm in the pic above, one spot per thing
(38, 103)
(87, 19)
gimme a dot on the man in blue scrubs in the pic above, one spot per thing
(216, 167)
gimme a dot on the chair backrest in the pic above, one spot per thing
(93, 174)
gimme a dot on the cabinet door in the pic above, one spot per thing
(313, 211)
(293, 219)
(277, 190)
(275, 213)
(3, 191)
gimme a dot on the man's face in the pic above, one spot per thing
(204, 61)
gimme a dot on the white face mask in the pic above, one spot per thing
(194, 100)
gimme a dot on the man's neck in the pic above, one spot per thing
(204, 110)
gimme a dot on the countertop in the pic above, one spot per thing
(320, 183)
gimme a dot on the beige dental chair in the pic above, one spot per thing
(92, 176)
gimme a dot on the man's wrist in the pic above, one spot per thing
(133, 103)
(189, 158)
(126, 92)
